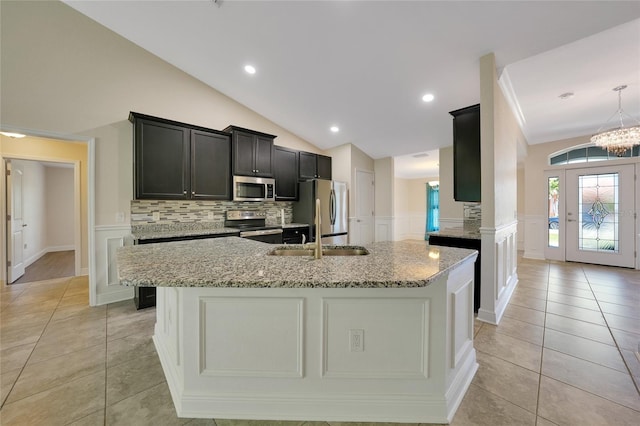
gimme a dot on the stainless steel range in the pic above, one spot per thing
(252, 225)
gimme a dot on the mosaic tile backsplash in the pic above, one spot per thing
(201, 214)
(472, 217)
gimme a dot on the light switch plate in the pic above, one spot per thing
(156, 216)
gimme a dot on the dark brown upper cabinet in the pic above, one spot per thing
(178, 161)
(285, 166)
(314, 166)
(466, 154)
(252, 152)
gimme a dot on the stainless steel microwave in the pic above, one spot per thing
(247, 188)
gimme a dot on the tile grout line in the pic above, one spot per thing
(106, 354)
(624, 361)
(544, 332)
(35, 345)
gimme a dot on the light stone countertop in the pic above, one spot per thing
(239, 262)
(458, 233)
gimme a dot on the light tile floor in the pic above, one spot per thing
(565, 353)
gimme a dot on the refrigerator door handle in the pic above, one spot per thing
(332, 207)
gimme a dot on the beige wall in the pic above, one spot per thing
(55, 150)
(346, 159)
(61, 72)
(500, 136)
(536, 162)
(449, 208)
(384, 195)
(59, 207)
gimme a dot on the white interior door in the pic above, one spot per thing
(364, 219)
(15, 224)
(600, 215)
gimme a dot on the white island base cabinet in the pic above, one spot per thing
(332, 354)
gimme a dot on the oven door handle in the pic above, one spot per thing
(245, 234)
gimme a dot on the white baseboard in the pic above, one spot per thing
(84, 271)
(28, 261)
(34, 257)
(61, 248)
(125, 293)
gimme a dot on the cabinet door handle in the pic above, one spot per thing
(193, 192)
(184, 192)
(257, 171)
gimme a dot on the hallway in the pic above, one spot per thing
(55, 264)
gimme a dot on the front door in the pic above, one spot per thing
(15, 224)
(600, 225)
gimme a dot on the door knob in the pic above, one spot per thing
(24, 225)
(571, 220)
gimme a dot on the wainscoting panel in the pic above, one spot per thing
(535, 236)
(267, 331)
(499, 277)
(392, 342)
(384, 228)
(107, 240)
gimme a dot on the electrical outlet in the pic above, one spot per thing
(356, 340)
(120, 217)
(210, 215)
(156, 216)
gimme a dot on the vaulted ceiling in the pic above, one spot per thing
(364, 66)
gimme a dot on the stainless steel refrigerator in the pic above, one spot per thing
(333, 209)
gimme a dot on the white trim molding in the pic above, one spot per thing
(499, 275)
(411, 226)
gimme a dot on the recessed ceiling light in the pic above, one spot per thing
(567, 95)
(420, 155)
(428, 97)
(334, 129)
(13, 135)
(250, 69)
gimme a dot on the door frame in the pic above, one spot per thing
(77, 213)
(90, 142)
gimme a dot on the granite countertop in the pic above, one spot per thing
(294, 225)
(150, 232)
(458, 233)
(239, 262)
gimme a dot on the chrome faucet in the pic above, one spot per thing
(317, 246)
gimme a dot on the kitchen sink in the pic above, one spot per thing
(326, 251)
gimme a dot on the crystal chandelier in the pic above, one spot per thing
(618, 140)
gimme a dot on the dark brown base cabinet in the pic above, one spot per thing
(314, 166)
(468, 243)
(295, 235)
(178, 161)
(285, 166)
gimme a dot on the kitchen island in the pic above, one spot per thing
(242, 334)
